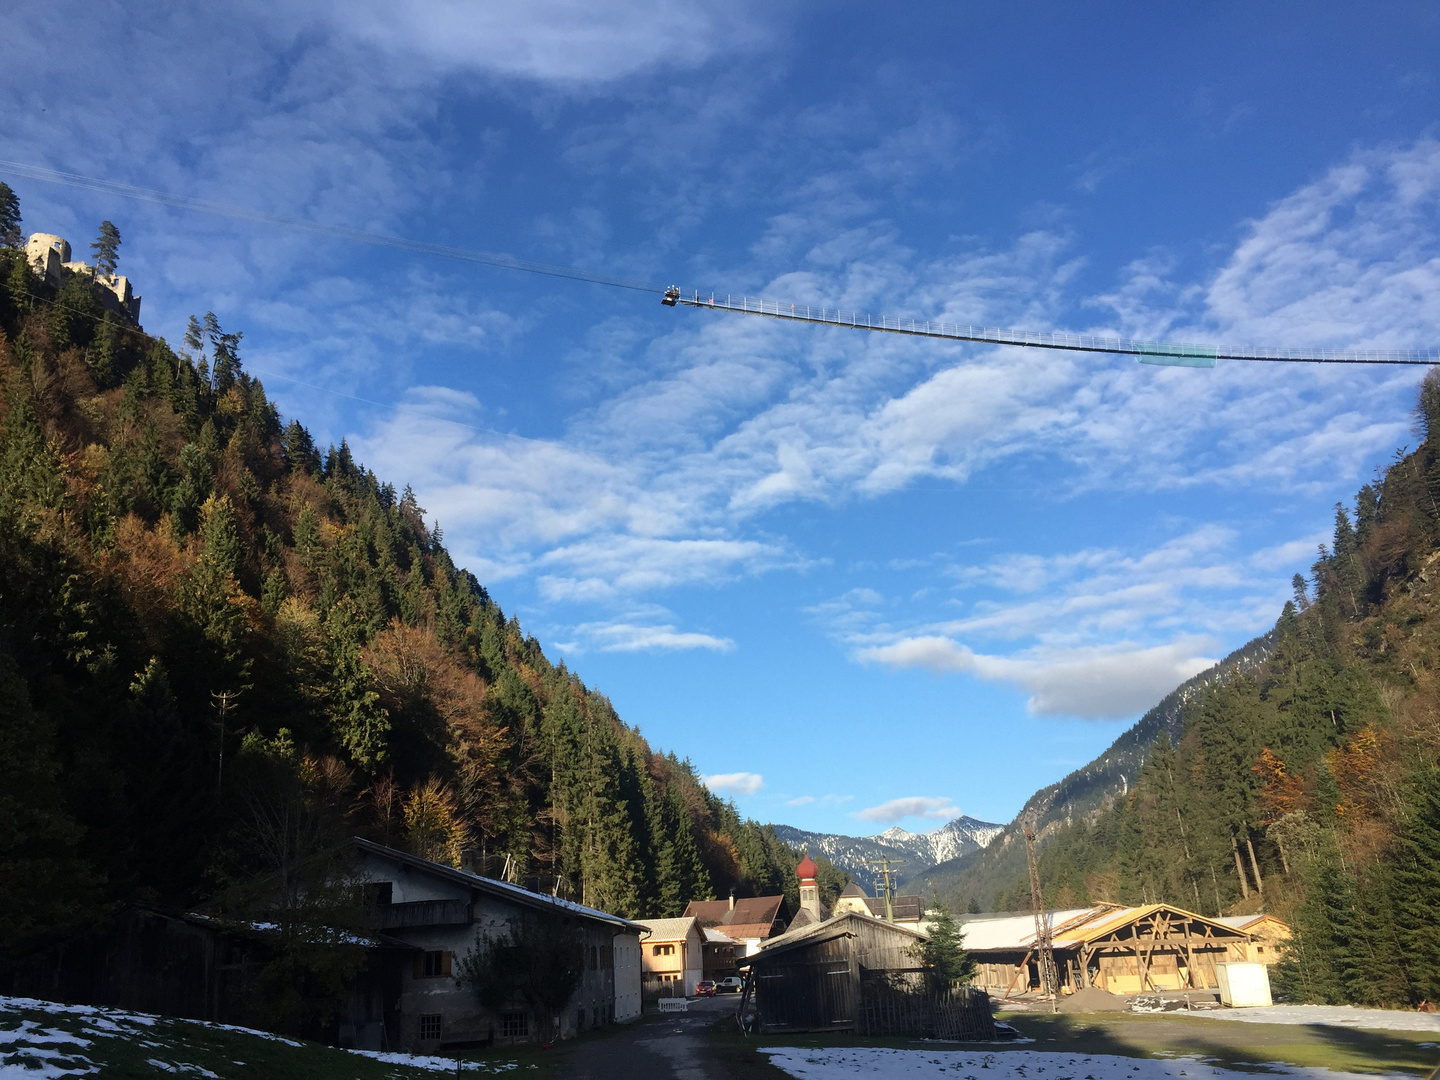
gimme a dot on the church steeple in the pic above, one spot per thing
(809, 887)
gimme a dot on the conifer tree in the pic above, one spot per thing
(10, 235)
(107, 249)
(42, 889)
(947, 964)
(20, 288)
(360, 723)
(1416, 886)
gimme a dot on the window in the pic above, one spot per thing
(377, 893)
(430, 1026)
(515, 1025)
(434, 964)
(664, 950)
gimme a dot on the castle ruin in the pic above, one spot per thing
(49, 256)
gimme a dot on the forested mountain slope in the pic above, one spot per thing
(1309, 783)
(222, 648)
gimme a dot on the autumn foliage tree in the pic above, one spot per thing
(185, 578)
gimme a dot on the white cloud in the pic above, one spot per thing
(1295, 554)
(561, 41)
(1097, 633)
(914, 806)
(632, 637)
(1108, 682)
(738, 783)
(823, 800)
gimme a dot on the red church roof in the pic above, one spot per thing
(807, 869)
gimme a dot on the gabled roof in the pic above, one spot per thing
(1070, 928)
(1248, 922)
(802, 919)
(751, 917)
(666, 929)
(853, 890)
(841, 925)
(500, 889)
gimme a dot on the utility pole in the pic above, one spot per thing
(224, 701)
(887, 883)
(1044, 952)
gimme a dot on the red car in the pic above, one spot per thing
(705, 988)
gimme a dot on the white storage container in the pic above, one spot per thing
(1244, 985)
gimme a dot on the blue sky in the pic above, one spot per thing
(857, 580)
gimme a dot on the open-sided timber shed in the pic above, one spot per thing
(1125, 950)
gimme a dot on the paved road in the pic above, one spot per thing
(669, 1047)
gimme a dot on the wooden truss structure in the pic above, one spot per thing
(1121, 949)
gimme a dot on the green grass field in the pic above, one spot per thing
(59, 1041)
(1230, 1043)
(1240, 1046)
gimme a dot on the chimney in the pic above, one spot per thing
(809, 887)
(732, 899)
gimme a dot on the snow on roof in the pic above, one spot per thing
(715, 937)
(1069, 928)
(1240, 922)
(1014, 931)
(666, 929)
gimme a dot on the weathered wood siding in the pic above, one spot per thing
(812, 989)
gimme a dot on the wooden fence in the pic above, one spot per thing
(961, 1014)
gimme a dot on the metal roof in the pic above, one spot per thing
(666, 929)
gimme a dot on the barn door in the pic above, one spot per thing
(818, 995)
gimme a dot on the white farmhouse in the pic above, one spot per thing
(442, 914)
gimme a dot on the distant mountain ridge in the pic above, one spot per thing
(914, 853)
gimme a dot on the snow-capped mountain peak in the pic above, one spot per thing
(909, 853)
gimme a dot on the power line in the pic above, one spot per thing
(1168, 353)
(337, 232)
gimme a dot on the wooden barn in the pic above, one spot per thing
(1125, 950)
(1267, 935)
(854, 972)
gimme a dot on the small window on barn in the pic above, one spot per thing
(430, 1026)
(433, 965)
(515, 1025)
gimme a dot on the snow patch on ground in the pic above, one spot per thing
(438, 1064)
(30, 1050)
(1348, 1016)
(882, 1064)
(181, 1068)
(104, 1022)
